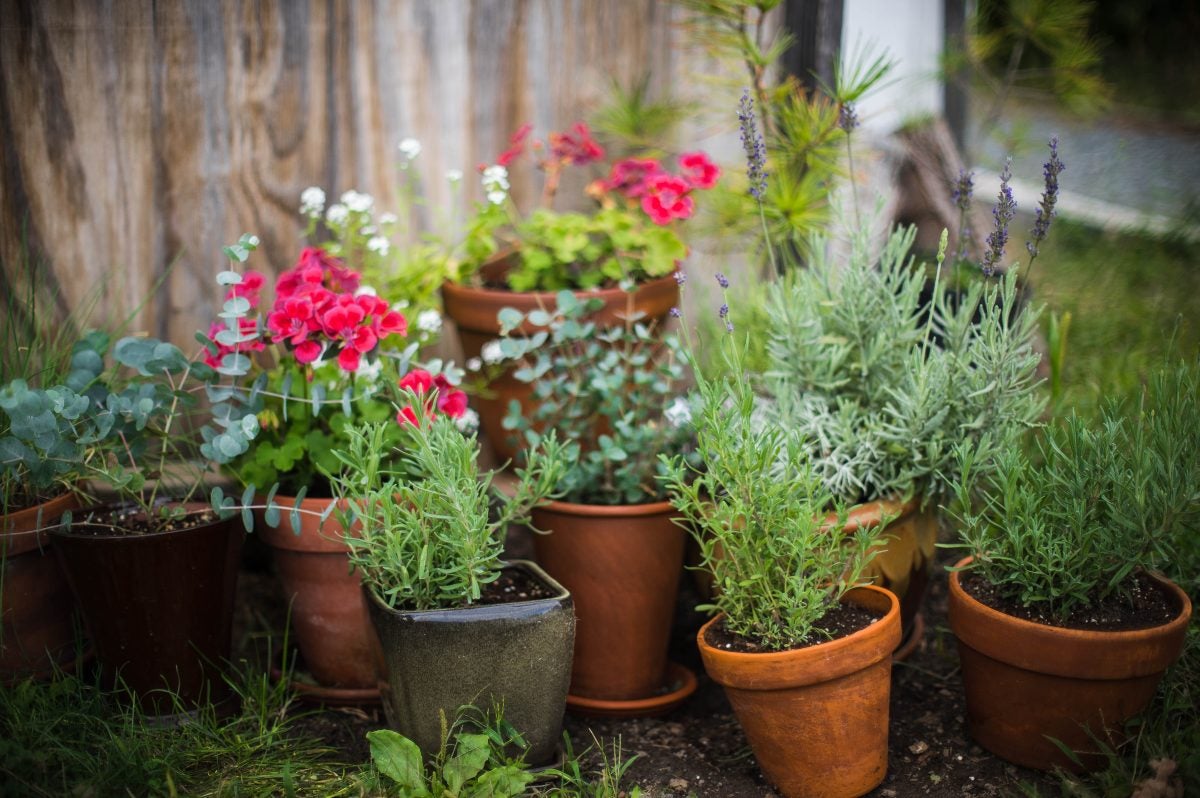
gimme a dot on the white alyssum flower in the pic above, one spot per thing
(410, 148)
(678, 413)
(468, 422)
(379, 245)
(368, 373)
(474, 364)
(388, 218)
(365, 290)
(491, 352)
(495, 183)
(337, 214)
(369, 230)
(357, 201)
(454, 175)
(312, 202)
(401, 305)
(429, 321)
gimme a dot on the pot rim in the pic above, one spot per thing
(561, 595)
(607, 510)
(472, 293)
(826, 660)
(17, 525)
(870, 513)
(1178, 623)
(58, 532)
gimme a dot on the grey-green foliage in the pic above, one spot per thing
(622, 378)
(758, 511)
(1069, 523)
(428, 543)
(884, 390)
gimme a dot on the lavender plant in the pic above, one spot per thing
(623, 382)
(428, 543)
(1069, 523)
(758, 510)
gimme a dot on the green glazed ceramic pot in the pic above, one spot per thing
(517, 653)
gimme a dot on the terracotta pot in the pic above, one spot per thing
(1026, 681)
(517, 653)
(904, 559)
(622, 566)
(474, 310)
(816, 717)
(331, 624)
(37, 612)
(159, 606)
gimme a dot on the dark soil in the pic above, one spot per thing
(839, 621)
(1141, 603)
(133, 521)
(699, 749)
(515, 584)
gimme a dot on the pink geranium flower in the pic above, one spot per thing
(516, 145)
(629, 176)
(247, 327)
(667, 199)
(698, 170)
(576, 147)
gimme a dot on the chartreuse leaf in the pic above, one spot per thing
(470, 755)
(398, 758)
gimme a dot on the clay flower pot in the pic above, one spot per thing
(37, 612)
(1026, 681)
(622, 565)
(329, 616)
(816, 717)
(159, 606)
(517, 653)
(902, 564)
(474, 310)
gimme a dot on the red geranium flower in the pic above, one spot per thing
(577, 147)
(452, 403)
(699, 170)
(248, 288)
(247, 327)
(516, 145)
(667, 198)
(629, 176)
(418, 380)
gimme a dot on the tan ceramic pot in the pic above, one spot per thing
(328, 612)
(816, 717)
(37, 611)
(474, 310)
(1026, 682)
(622, 566)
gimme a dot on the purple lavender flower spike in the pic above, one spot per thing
(723, 311)
(847, 117)
(964, 187)
(680, 278)
(675, 313)
(728, 325)
(1045, 212)
(752, 143)
(1003, 213)
(722, 280)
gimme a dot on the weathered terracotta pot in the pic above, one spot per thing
(37, 611)
(474, 310)
(329, 614)
(904, 559)
(517, 653)
(622, 566)
(1026, 682)
(816, 717)
(159, 606)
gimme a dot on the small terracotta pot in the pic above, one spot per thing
(37, 612)
(1026, 682)
(328, 612)
(517, 654)
(159, 606)
(904, 559)
(816, 717)
(474, 310)
(622, 566)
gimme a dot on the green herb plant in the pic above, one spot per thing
(1069, 523)
(615, 392)
(758, 510)
(425, 539)
(887, 384)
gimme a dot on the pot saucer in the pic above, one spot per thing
(912, 640)
(680, 684)
(317, 694)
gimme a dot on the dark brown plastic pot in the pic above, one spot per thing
(474, 310)
(517, 654)
(622, 566)
(159, 606)
(37, 612)
(816, 717)
(1026, 682)
(328, 612)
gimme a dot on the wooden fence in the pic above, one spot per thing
(137, 134)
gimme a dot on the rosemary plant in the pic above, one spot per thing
(1068, 524)
(428, 543)
(758, 511)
